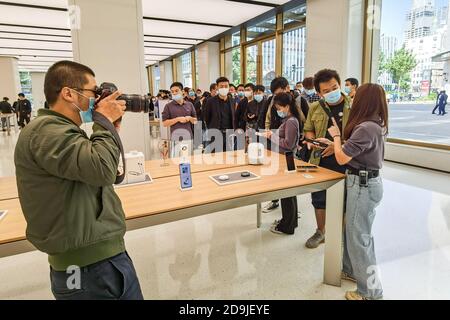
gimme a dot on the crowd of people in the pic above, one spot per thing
(350, 119)
(54, 153)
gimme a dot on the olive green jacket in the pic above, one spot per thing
(317, 122)
(65, 183)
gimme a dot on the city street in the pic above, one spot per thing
(414, 121)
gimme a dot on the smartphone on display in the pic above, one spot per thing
(290, 161)
(317, 143)
(185, 176)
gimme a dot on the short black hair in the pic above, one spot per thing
(250, 85)
(299, 83)
(278, 83)
(241, 85)
(213, 86)
(5, 98)
(325, 75)
(222, 79)
(232, 85)
(64, 74)
(177, 84)
(353, 82)
(21, 95)
(260, 87)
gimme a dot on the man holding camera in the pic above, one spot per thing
(65, 180)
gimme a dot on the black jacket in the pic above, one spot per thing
(211, 113)
(24, 106)
(5, 107)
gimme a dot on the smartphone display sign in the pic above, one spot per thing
(185, 176)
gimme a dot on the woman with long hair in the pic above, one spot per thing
(363, 153)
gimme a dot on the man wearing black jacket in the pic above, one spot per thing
(24, 109)
(219, 113)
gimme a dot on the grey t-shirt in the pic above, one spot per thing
(174, 110)
(366, 146)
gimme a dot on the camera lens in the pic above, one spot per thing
(136, 103)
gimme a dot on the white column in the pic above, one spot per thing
(37, 89)
(166, 75)
(110, 40)
(208, 64)
(334, 37)
(9, 78)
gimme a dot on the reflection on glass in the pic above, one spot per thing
(196, 69)
(251, 63)
(157, 79)
(236, 38)
(233, 65)
(186, 69)
(294, 55)
(413, 63)
(296, 15)
(268, 62)
(261, 28)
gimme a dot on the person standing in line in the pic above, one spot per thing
(335, 105)
(179, 115)
(362, 151)
(287, 139)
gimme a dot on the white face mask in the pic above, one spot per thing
(248, 94)
(224, 91)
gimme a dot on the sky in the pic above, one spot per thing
(393, 16)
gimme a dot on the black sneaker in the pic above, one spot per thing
(271, 206)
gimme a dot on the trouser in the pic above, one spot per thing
(4, 122)
(359, 259)
(289, 213)
(442, 109)
(111, 279)
(24, 117)
(435, 108)
(319, 199)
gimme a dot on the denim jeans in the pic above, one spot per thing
(111, 279)
(359, 259)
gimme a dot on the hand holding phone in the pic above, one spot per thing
(317, 143)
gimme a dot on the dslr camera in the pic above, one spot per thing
(134, 102)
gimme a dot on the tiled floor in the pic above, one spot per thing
(224, 256)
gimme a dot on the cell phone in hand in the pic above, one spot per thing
(317, 143)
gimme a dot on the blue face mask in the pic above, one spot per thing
(86, 116)
(192, 94)
(310, 92)
(241, 94)
(282, 114)
(177, 97)
(259, 97)
(333, 97)
(347, 90)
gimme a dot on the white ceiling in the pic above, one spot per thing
(24, 31)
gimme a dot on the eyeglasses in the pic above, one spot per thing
(96, 91)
